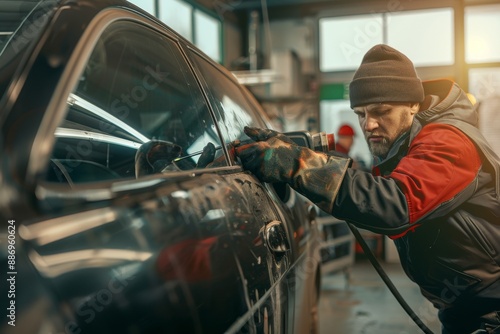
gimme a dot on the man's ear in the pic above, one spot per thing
(414, 108)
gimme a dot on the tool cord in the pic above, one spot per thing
(368, 252)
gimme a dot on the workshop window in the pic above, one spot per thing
(178, 15)
(207, 32)
(482, 25)
(200, 28)
(193, 23)
(437, 35)
(147, 5)
(344, 40)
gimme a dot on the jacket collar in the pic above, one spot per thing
(447, 101)
(396, 152)
(444, 100)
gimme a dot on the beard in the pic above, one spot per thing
(382, 148)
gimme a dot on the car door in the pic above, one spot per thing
(233, 112)
(130, 232)
(236, 108)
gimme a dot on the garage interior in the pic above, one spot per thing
(298, 56)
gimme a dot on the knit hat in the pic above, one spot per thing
(346, 130)
(385, 75)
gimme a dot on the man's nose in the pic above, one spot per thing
(370, 124)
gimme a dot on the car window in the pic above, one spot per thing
(237, 111)
(137, 110)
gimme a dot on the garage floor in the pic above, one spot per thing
(365, 305)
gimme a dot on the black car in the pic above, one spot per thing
(124, 209)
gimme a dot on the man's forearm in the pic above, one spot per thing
(372, 202)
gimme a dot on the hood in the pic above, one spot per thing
(445, 100)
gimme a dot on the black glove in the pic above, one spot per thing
(207, 156)
(276, 158)
(153, 156)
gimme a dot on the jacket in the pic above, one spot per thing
(437, 194)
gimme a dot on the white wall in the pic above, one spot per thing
(232, 43)
(295, 35)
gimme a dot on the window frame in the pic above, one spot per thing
(256, 112)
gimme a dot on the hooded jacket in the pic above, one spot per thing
(437, 194)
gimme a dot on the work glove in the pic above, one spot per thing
(207, 156)
(153, 156)
(274, 157)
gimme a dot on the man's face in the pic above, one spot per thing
(383, 123)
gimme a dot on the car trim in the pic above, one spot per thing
(101, 190)
(59, 228)
(63, 263)
(94, 136)
(81, 102)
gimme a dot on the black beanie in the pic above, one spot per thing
(385, 75)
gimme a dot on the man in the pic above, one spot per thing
(434, 187)
(345, 139)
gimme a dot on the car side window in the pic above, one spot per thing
(236, 109)
(137, 110)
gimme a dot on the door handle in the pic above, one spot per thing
(275, 237)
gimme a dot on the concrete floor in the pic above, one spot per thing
(365, 305)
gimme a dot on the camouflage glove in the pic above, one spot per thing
(276, 158)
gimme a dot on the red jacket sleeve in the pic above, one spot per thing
(441, 162)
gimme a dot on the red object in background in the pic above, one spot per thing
(346, 130)
(341, 149)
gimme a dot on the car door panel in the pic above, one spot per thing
(189, 250)
(235, 108)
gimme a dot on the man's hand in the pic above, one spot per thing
(273, 157)
(207, 156)
(258, 134)
(153, 156)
